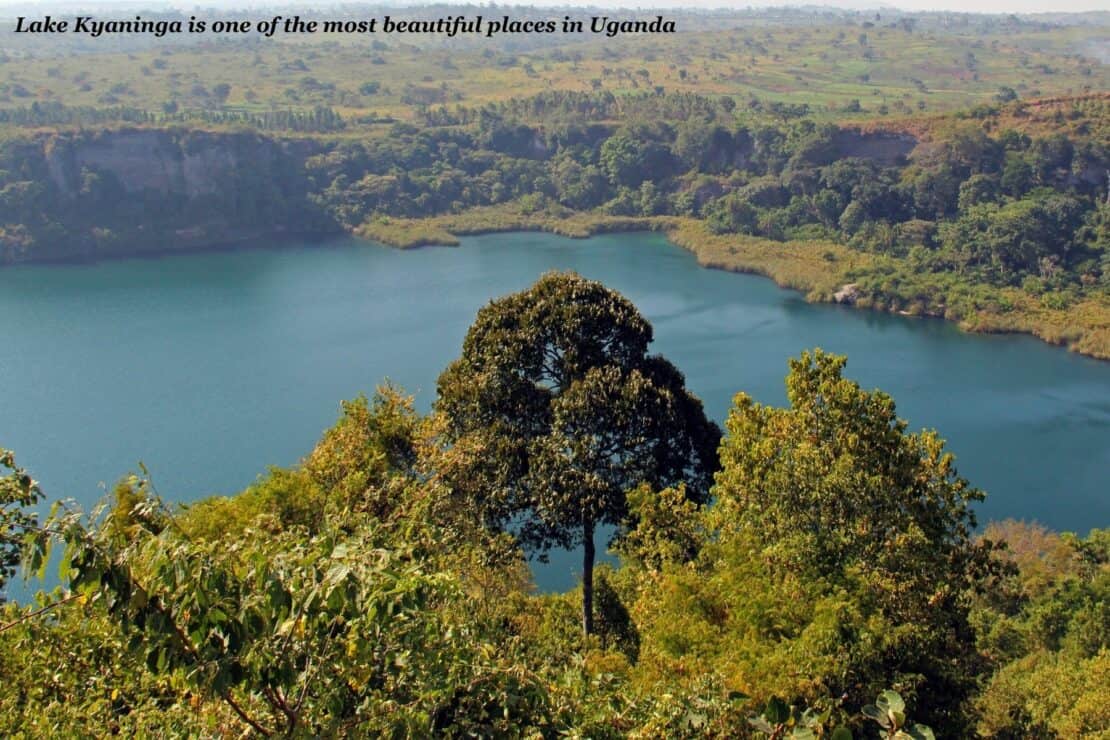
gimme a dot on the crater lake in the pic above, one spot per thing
(210, 367)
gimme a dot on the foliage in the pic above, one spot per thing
(835, 480)
(1048, 627)
(778, 720)
(668, 528)
(17, 491)
(347, 630)
(372, 443)
(889, 712)
(850, 541)
(555, 410)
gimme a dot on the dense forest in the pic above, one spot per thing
(809, 571)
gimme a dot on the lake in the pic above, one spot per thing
(210, 367)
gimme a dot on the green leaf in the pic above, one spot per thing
(891, 701)
(921, 732)
(841, 733)
(776, 711)
(873, 712)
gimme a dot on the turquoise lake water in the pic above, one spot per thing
(210, 367)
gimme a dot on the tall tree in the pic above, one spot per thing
(555, 410)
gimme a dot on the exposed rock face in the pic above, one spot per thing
(539, 148)
(166, 161)
(885, 148)
(84, 195)
(847, 294)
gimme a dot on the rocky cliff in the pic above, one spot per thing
(188, 163)
(89, 194)
(883, 147)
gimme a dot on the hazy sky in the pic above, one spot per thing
(972, 6)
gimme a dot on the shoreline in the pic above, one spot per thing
(245, 242)
(819, 270)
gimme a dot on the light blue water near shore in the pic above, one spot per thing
(210, 367)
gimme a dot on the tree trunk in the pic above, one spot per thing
(587, 576)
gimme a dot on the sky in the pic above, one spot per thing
(965, 6)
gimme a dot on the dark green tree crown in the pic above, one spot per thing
(556, 409)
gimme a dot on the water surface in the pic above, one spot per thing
(210, 367)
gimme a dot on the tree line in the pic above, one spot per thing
(320, 119)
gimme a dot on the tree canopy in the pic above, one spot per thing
(834, 490)
(556, 411)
